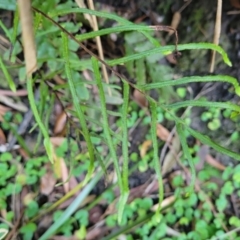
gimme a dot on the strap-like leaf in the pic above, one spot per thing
(153, 108)
(206, 140)
(107, 133)
(78, 107)
(185, 80)
(169, 49)
(186, 152)
(103, 15)
(199, 103)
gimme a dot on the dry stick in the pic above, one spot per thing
(217, 33)
(99, 46)
(26, 20)
(18, 93)
(87, 16)
(93, 22)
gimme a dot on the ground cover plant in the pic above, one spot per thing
(79, 137)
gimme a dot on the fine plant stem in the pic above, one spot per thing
(169, 49)
(125, 135)
(206, 140)
(187, 154)
(124, 196)
(47, 143)
(106, 129)
(203, 138)
(153, 108)
(15, 32)
(186, 80)
(122, 28)
(78, 108)
(7, 75)
(201, 103)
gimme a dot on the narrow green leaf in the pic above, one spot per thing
(78, 107)
(141, 71)
(124, 197)
(185, 80)
(196, 103)
(15, 26)
(103, 15)
(125, 135)
(124, 28)
(116, 114)
(106, 128)
(49, 148)
(115, 17)
(186, 152)
(47, 143)
(102, 163)
(7, 76)
(72, 208)
(122, 203)
(153, 108)
(206, 140)
(6, 31)
(169, 49)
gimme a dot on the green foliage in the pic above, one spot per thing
(58, 52)
(28, 230)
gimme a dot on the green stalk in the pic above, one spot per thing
(125, 135)
(153, 108)
(47, 143)
(186, 153)
(107, 133)
(78, 107)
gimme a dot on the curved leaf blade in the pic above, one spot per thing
(199, 103)
(206, 140)
(169, 49)
(185, 80)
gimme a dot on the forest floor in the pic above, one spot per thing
(29, 187)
